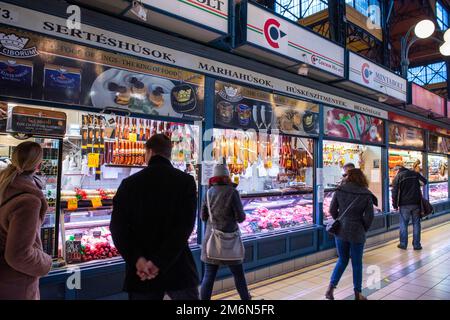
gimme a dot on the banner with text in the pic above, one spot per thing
(372, 76)
(283, 37)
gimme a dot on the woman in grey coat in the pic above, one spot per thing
(226, 213)
(355, 200)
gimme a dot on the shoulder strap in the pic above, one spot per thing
(209, 207)
(346, 210)
(14, 196)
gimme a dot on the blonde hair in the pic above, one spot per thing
(25, 159)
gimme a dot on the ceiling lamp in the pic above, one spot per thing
(424, 29)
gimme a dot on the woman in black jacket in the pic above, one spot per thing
(355, 200)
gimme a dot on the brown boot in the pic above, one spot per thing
(359, 296)
(329, 294)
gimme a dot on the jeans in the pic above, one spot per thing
(210, 276)
(406, 213)
(346, 250)
(185, 294)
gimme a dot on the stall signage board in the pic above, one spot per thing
(404, 136)
(100, 38)
(448, 109)
(372, 76)
(245, 108)
(427, 100)
(354, 126)
(286, 38)
(36, 121)
(210, 13)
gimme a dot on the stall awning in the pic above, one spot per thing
(368, 78)
(426, 102)
(203, 21)
(266, 36)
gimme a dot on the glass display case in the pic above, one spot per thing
(438, 177)
(48, 172)
(336, 155)
(274, 174)
(409, 159)
(99, 152)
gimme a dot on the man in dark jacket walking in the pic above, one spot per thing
(407, 195)
(153, 216)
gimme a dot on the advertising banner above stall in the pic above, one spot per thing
(353, 126)
(439, 144)
(372, 76)
(427, 100)
(211, 14)
(281, 36)
(245, 108)
(101, 38)
(80, 75)
(403, 136)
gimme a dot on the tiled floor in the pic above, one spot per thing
(402, 275)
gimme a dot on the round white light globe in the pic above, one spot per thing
(447, 36)
(424, 29)
(445, 49)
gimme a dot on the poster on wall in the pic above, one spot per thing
(354, 126)
(80, 75)
(439, 144)
(404, 136)
(244, 108)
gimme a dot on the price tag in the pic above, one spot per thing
(96, 202)
(72, 204)
(132, 137)
(93, 160)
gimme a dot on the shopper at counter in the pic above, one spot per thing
(225, 213)
(407, 195)
(153, 216)
(354, 202)
(22, 211)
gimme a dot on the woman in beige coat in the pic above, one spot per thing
(22, 210)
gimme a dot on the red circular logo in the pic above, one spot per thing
(366, 73)
(272, 32)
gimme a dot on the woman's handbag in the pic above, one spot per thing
(334, 226)
(223, 246)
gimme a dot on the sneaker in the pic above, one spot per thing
(418, 248)
(401, 247)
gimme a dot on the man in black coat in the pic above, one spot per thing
(154, 213)
(407, 195)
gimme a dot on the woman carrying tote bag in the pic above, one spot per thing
(222, 244)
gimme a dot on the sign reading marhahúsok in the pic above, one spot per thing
(283, 37)
(370, 75)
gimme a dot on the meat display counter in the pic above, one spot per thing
(89, 185)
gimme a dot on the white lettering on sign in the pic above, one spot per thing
(101, 38)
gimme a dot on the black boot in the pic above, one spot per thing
(329, 294)
(359, 296)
